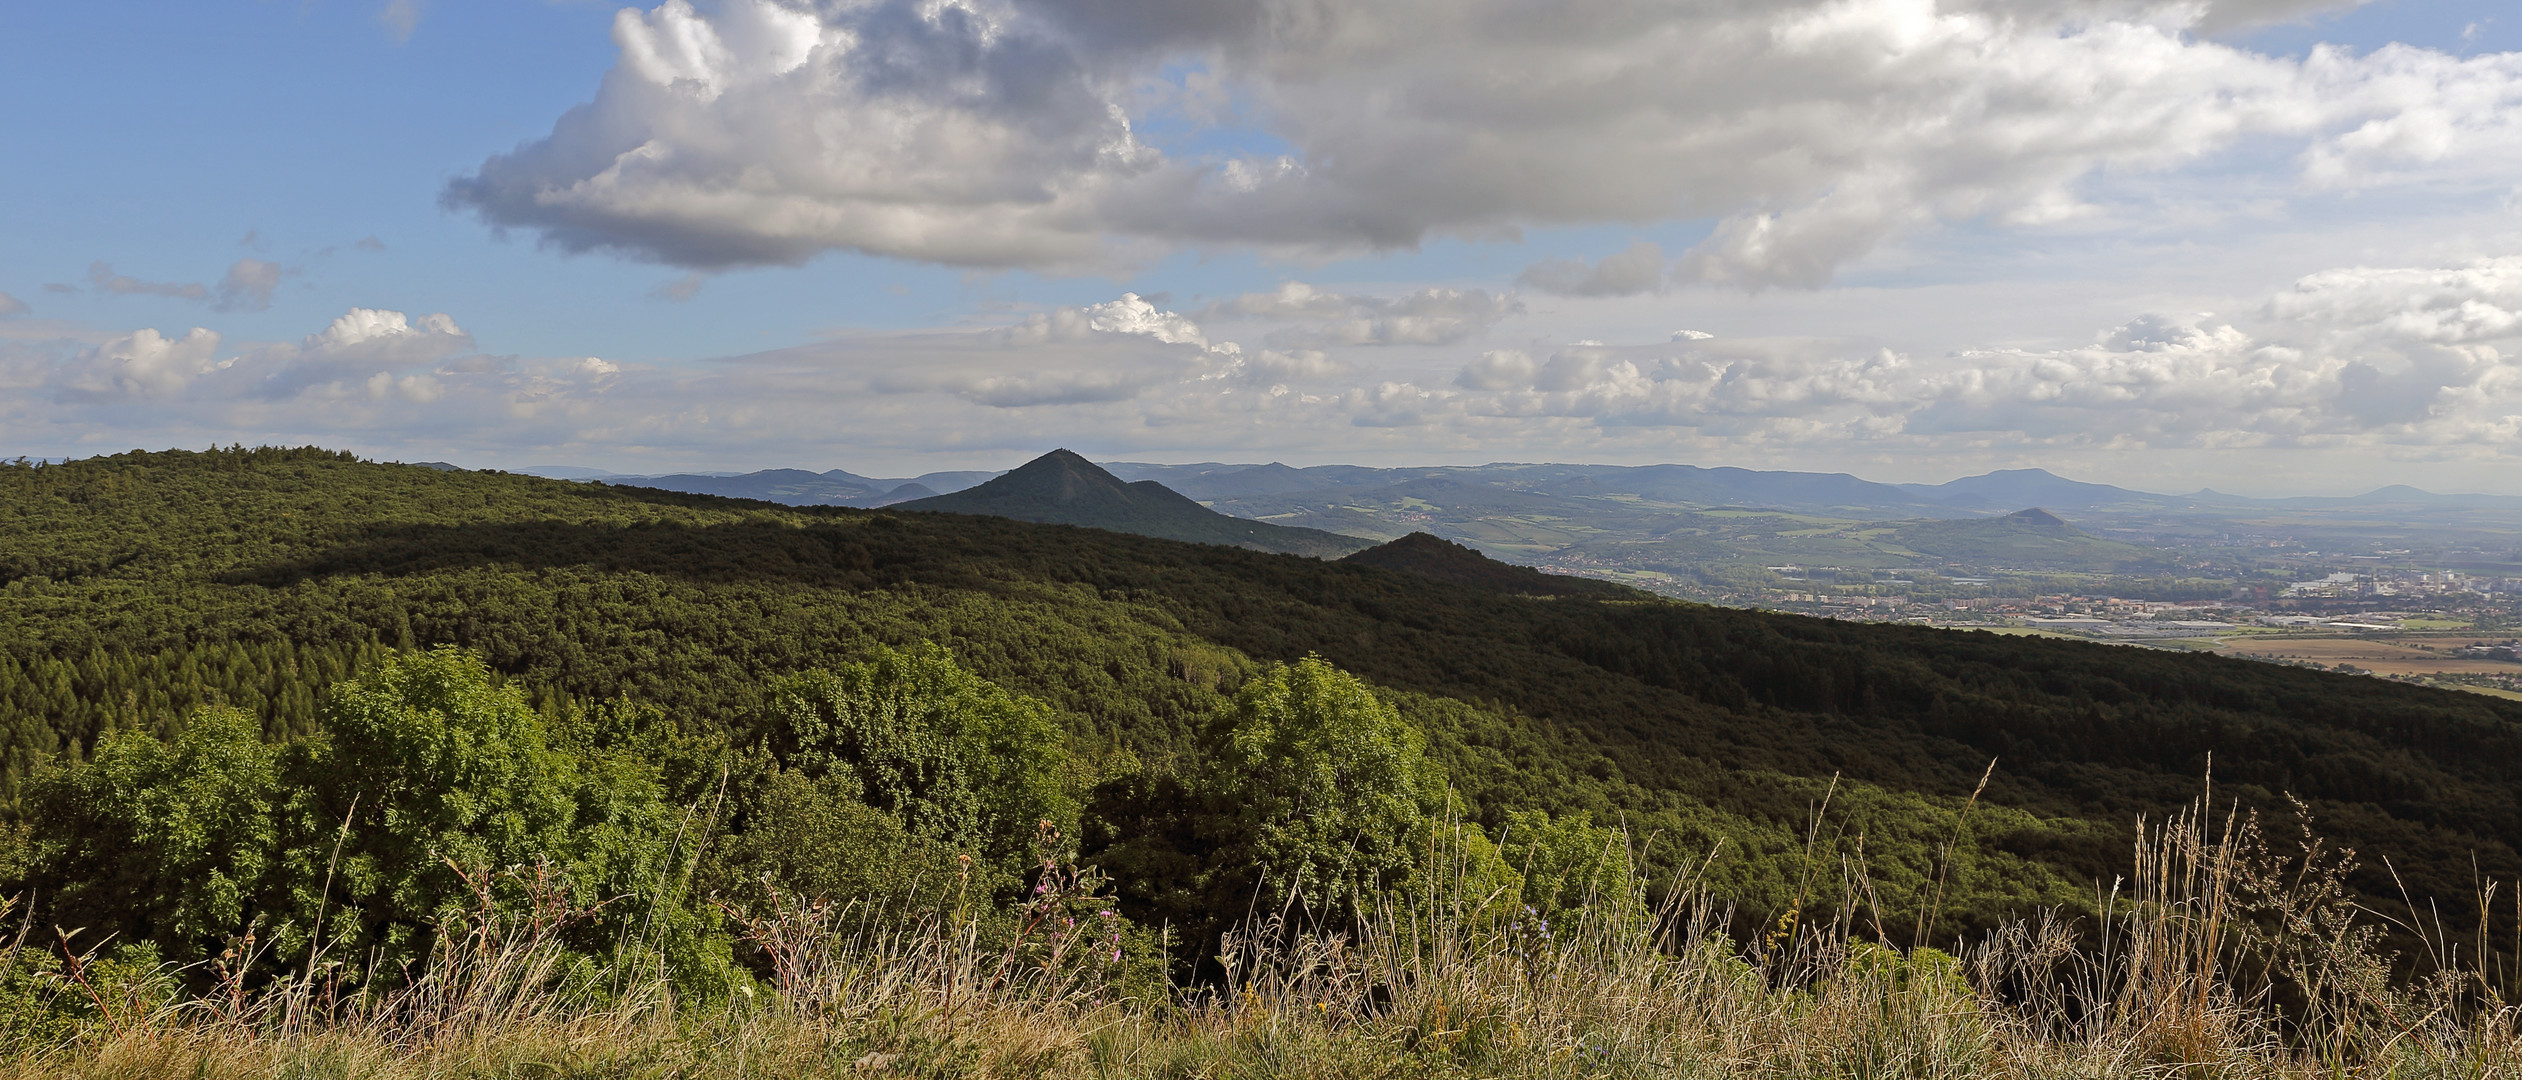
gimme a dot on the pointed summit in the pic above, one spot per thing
(2038, 518)
(1061, 476)
(1063, 488)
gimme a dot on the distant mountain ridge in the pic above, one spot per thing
(1998, 492)
(1062, 488)
(1715, 527)
(793, 487)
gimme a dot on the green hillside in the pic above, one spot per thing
(2031, 539)
(1431, 556)
(1065, 489)
(138, 587)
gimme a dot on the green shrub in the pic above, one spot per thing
(165, 842)
(1328, 786)
(952, 757)
(812, 838)
(440, 772)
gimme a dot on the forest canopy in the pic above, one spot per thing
(216, 669)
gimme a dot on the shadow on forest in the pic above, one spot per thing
(850, 549)
(1663, 696)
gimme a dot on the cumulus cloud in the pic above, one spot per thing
(141, 364)
(1129, 316)
(2356, 362)
(364, 343)
(11, 307)
(1006, 133)
(2420, 356)
(1502, 369)
(371, 377)
(1639, 268)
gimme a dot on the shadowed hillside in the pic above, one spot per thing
(1444, 560)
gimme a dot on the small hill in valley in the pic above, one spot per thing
(793, 487)
(907, 493)
(1428, 555)
(2021, 487)
(1064, 489)
(2026, 538)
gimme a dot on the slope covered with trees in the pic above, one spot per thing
(681, 634)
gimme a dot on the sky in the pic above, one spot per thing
(2267, 246)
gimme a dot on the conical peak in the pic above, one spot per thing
(1062, 476)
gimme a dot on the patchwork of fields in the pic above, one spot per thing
(2428, 654)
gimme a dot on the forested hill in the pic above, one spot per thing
(136, 587)
(1434, 556)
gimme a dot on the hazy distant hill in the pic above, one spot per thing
(795, 487)
(906, 493)
(2035, 539)
(2010, 488)
(1063, 488)
(1686, 523)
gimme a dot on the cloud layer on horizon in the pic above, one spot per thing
(2404, 363)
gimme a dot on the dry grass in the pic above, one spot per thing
(2218, 957)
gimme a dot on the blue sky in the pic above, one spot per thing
(1924, 262)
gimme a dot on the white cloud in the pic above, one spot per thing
(2355, 365)
(2400, 356)
(1004, 133)
(361, 344)
(11, 307)
(1130, 316)
(1502, 369)
(141, 364)
(1291, 300)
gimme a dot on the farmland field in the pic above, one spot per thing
(2411, 655)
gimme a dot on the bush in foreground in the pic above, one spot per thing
(2222, 959)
